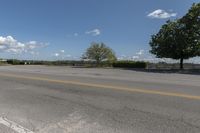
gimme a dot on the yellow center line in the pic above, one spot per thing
(120, 88)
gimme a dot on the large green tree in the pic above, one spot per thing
(99, 52)
(179, 39)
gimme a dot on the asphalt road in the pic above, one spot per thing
(44, 99)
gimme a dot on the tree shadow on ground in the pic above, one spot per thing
(167, 71)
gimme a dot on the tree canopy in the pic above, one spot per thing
(99, 52)
(179, 39)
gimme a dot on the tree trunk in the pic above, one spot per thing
(181, 63)
(98, 63)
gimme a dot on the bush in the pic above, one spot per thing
(14, 61)
(130, 64)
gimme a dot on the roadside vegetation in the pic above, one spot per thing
(99, 53)
(130, 64)
(80, 63)
(179, 39)
(117, 64)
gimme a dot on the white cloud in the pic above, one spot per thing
(32, 42)
(2, 47)
(141, 52)
(56, 54)
(62, 54)
(9, 44)
(161, 14)
(62, 51)
(122, 57)
(135, 57)
(94, 32)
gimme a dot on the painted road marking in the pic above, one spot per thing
(119, 88)
(14, 126)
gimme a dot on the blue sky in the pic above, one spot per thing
(63, 29)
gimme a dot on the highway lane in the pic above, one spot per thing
(45, 106)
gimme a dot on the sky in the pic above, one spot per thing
(64, 29)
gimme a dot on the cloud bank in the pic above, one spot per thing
(11, 45)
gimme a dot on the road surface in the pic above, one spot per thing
(47, 99)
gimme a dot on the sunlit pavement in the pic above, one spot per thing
(42, 99)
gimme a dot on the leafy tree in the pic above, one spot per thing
(99, 52)
(179, 39)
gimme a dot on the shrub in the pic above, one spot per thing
(129, 64)
(14, 61)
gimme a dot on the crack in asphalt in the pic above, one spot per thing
(14, 126)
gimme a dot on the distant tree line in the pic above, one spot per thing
(81, 63)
